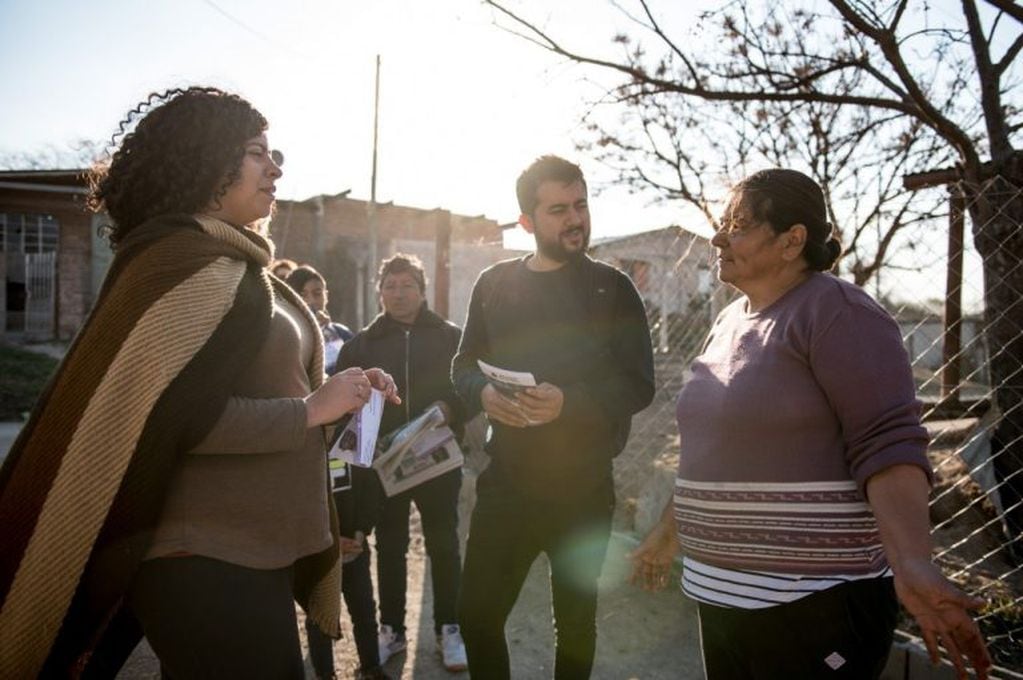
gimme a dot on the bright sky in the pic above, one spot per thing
(464, 105)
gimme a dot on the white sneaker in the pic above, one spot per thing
(390, 643)
(452, 648)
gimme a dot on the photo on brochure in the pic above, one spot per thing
(416, 452)
(340, 475)
(356, 442)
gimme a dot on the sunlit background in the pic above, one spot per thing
(464, 104)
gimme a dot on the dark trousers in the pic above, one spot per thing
(506, 535)
(357, 588)
(437, 501)
(209, 619)
(841, 632)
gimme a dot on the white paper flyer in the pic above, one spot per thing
(508, 383)
(357, 442)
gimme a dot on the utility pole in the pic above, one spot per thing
(372, 262)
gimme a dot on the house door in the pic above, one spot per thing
(28, 242)
(40, 295)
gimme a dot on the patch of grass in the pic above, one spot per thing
(23, 376)
(1002, 627)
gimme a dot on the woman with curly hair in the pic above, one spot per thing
(172, 479)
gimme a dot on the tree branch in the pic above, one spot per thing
(641, 78)
(990, 91)
(671, 45)
(925, 110)
(1009, 7)
(899, 11)
(1010, 55)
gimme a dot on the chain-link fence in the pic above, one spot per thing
(959, 302)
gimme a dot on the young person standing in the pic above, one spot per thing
(580, 328)
(416, 345)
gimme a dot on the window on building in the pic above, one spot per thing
(28, 233)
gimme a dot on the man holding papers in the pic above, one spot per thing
(415, 346)
(576, 330)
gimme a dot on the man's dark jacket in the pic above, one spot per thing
(582, 328)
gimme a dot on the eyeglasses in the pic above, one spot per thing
(274, 155)
(734, 227)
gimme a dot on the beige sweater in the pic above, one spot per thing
(254, 492)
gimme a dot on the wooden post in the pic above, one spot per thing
(952, 339)
(442, 264)
(370, 292)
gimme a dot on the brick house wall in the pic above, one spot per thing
(74, 272)
(466, 262)
(331, 233)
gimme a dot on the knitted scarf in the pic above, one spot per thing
(186, 304)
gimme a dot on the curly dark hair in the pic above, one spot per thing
(175, 153)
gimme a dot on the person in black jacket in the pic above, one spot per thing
(356, 493)
(580, 328)
(416, 346)
(357, 497)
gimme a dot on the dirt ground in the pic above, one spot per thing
(640, 635)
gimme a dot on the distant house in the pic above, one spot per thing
(923, 335)
(671, 268)
(52, 261)
(332, 233)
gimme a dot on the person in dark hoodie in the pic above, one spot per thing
(416, 346)
(580, 328)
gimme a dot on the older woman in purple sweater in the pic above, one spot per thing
(800, 503)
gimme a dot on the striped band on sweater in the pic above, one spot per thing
(807, 528)
(739, 589)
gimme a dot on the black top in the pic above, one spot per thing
(550, 324)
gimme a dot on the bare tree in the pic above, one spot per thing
(946, 79)
(74, 156)
(686, 151)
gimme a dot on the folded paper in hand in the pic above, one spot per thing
(356, 441)
(508, 383)
(416, 452)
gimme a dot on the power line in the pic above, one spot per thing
(259, 34)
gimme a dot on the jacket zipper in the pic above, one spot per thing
(408, 383)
